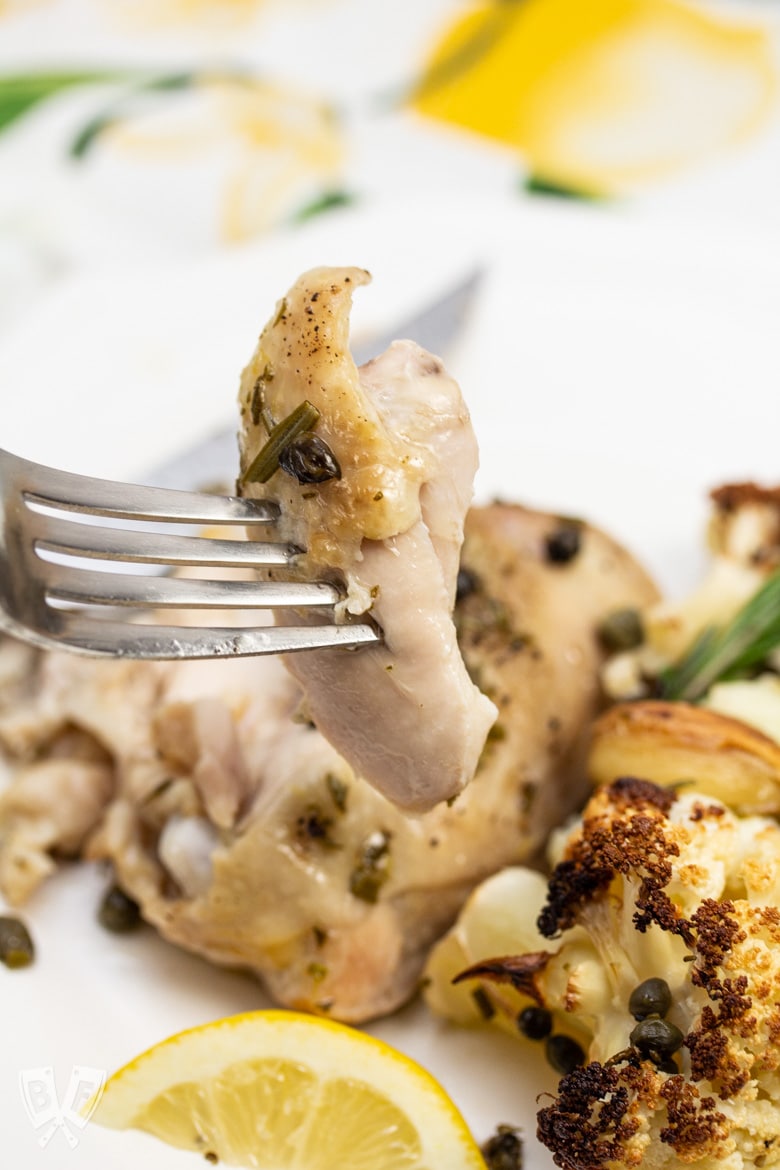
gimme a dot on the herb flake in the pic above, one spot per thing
(372, 868)
(266, 462)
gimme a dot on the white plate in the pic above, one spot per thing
(613, 371)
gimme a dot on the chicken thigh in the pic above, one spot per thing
(248, 839)
(320, 826)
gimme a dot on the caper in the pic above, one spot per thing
(650, 998)
(467, 583)
(564, 1054)
(504, 1150)
(563, 544)
(621, 630)
(535, 1023)
(309, 459)
(118, 912)
(657, 1039)
(16, 946)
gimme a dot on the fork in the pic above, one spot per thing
(53, 596)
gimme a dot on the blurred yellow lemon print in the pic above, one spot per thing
(205, 16)
(9, 7)
(238, 153)
(600, 95)
(209, 14)
(196, 9)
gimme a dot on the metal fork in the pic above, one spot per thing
(50, 587)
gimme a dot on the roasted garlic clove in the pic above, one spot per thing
(680, 744)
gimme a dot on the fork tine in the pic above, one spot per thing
(87, 587)
(104, 497)
(32, 501)
(57, 534)
(111, 639)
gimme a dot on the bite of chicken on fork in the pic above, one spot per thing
(387, 522)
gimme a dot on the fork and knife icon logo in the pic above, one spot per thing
(47, 1114)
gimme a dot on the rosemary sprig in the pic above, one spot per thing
(726, 652)
(266, 462)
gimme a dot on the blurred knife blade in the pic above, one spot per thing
(214, 460)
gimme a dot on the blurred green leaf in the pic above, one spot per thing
(21, 92)
(165, 83)
(536, 185)
(326, 202)
(168, 82)
(88, 134)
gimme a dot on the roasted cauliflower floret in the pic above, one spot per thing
(651, 883)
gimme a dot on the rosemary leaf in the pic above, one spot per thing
(266, 462)
(728, 651)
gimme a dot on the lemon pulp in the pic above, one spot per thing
(283, 1091)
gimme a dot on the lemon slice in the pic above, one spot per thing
(277, 1090)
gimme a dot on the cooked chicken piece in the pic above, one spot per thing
(23, 726)
(248, 839)
(50, 809)
(399, 461)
